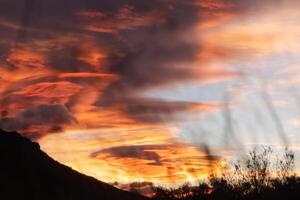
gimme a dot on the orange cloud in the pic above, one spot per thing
(159, 163)
(49, 89)
(86, 75)
(155, 156)
(25, 57)
(213, 19)
(91, 54)
(215, 4)
(125, 18)
(215, 12)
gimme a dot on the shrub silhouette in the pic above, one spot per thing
(254, 177)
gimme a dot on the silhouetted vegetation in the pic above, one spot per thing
(255, 177)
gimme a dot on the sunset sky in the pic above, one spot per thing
(155, 90)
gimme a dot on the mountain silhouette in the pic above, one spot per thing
(26, 172)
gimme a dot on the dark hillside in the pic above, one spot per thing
(26, 172)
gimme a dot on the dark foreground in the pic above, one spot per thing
(26, 172)
(222, 191)
(258, 176)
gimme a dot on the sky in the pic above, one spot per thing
(160, 90)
